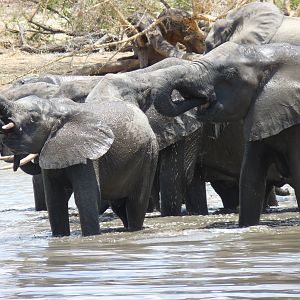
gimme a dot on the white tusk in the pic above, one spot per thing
(23, 161)
(27, 159)
(9, 157)
(8, 126)
(10, 167)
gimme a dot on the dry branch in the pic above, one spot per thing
(50, 29)
(297, 12)
(50, 8)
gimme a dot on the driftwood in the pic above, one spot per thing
(161, 42)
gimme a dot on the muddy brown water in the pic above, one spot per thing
(189, 257)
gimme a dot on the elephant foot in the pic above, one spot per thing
(225, 211)
(282, 192)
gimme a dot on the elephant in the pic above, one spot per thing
(258, 84)
(106, 148)
(49, 86)
(126, 87)
(254, 23)
(190, 152)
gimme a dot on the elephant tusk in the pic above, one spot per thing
(27, 159)
(8, 126)
(23, 161)
(8, 158)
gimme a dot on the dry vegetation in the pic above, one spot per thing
(58, 36)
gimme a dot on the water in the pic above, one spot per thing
(189, 257)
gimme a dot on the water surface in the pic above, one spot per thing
(189, 257)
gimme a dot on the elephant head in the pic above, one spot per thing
(253, 23)
(257, 83)
(59, 130)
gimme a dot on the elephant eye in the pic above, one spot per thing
(34, 117)
(231, 73)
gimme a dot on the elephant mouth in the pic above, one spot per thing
(207, 103)
(204, 107)
(210, 107)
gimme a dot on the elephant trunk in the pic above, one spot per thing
(166, 106)
(190, 81)
(31, 168)
(5, 108)
(4, 105)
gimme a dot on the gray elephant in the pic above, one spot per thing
(254, 23)
(259, 85)
(130, 88)
(190, 152)
(85, 146)
(49, 86)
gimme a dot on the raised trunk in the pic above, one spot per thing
(192, 82)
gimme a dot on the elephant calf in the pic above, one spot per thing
(85, 146)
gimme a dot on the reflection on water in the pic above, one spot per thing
(190, 257)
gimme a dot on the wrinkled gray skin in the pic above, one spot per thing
(131, 88)
(254, 23)
(259, 85)
(75, 142)
(49, 86)
(190, 153)
(188, 156)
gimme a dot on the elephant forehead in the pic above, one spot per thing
(32, 104)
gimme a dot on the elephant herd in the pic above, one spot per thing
(230, 118)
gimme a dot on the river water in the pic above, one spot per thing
(189, 257)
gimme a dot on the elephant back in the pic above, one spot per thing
(288, 32)
(253, 23)
(257, 23)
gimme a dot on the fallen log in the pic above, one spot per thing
(123, 65)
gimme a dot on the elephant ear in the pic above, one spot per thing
(277, 106)
(79, 137)
(169, 130)
(254, 23)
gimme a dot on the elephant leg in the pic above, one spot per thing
(171, 180)
(103, 206)
(136, 208)
(57, 204)
(154, 197)
(86, 194)
(38, 192)
(270, 198)
(294, 166)
(228, 192)
(196, 202)
(282, 191)
(252, 183)
(119, 208)
(137, 203)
